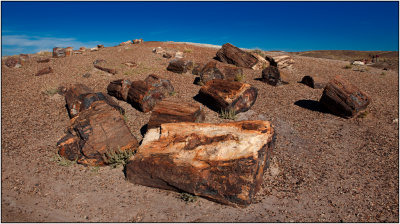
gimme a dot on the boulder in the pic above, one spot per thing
(44, 71)
(313, 82)
(144, 95)
(79, 97)
(100, 64)
(13, 62)
(119, 89)
(281, 61)
(233, 73)
(224, 95)
(174, 111)
(273, 76)
(343, 98)
(179, 66)
(223, 162)
(58, 52)
(95, 132)
(233, 55)
(69, 51)
(125, 43)
(210, 72)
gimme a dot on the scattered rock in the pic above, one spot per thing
(223, 162)
(167, 55)
(44, 60)
(158, 50)
(261, 64)
(343, 98)
(179, 66)
(273, 76)
(95, 132)
(82, 49)
(210, 72)
(13, 62)
(24, 58)
(44, 71)
(119, 89)
(86, 75)
(144, 95)
(125, 43)
(233, 55)
(315, 83)
(224, 95)
(396, 121)
(137, 41)
(94, 49)
(100, 46)
(174, 111)
(179, 54)
(130, 64)
(99, 64)
(282, 61)
(358, 63)
(58, 52)
(77, 52)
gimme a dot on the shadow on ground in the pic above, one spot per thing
(311, 105)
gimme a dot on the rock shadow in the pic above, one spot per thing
(206, 101)
(311, 105)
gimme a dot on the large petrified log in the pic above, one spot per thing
(144, 95)
(210, 72)
(179, 66)
(173, 111)
(261, 64)
(233, 55)
(119, 88)
(343, 98)
(233, 73)
(281, 61)
(197, 67)
(224, 95)
(223, 162)
(95, 132)
(313, 82)
(273, 76)
(79, 97)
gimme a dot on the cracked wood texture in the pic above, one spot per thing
(228, 95)
(119, 89)
(79, 97)
(93, 132)
(343, 98)
(144, 95)
(222, 162)
(233, 55)
(173, 111)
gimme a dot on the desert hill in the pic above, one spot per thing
(323, 168)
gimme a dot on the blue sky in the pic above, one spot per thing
(28, 27)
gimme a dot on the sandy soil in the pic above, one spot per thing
(324, 168)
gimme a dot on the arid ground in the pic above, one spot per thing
(324, 168)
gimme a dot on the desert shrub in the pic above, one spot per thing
(51, 91)
(363, 114)
(239, 77)
(63, 161)
(118, 157)
(173, 93)
(188, 197)
(227, 114)
(186, 50)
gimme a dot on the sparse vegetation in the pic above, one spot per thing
(383, 73)
(239, 77)
(228, 114)
(363, 114)
(347, 67)
(125, 118)
(188, 197)
(173, 93)
(63, 161)
(95, 169)
(187, 50)
(118, 157)
(51, 91)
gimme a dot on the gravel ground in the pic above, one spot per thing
(324, 168)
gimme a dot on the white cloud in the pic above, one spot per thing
(33, 44)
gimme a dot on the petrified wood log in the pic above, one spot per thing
(95, 132)
(119, 89)
(44, 60)
(109, 70)
(343, 98)
(197, 67)
(44, 71)
(69, 51)
(233, 73)
(228, 95)
(313, 82)
(210, 72)
(179, 66)
(58, 52)
(13, 62)
(79, 97)
(262, 62)
(223, 162)
(143, 95)
(100, 46)
(173, 111)
(233, 55)
(281, 61)
(273, 76)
